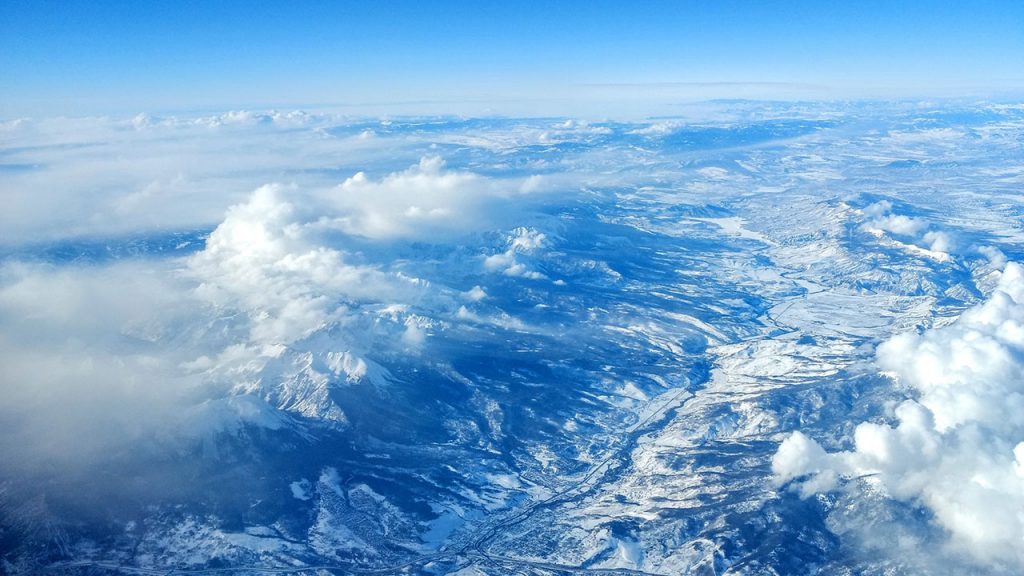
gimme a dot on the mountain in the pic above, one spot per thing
(516, 346)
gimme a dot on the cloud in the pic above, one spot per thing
(800, 456)
(277, 307)
(102, 176)
(268, 316)
(265, 261)
(121, 361)
(882, 219)
(424, 201)
(475, 294)
(275, 258)
(996, 257)
(898, 224)
(939, 241)
(957, 446)
(139, 353)
(522, 241)
(90, 361)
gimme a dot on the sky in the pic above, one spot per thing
(113, 57)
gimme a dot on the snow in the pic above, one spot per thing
(735, 226)
(507, 345)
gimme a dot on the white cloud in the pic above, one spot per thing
(799, 456)
(996, 257)
(415, 334)
(658, 128)
(882, 219)
(521, 241)
(266, 262)
(475, 294)
(939, 241)
(101, 176)
(423, 201)
(958, 445)
(168, 342)
(877, 209)
(117, 355)
(899, 224)
(90, 359)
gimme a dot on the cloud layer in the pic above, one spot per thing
(171, 343)
(957, 446)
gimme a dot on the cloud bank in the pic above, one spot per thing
(956, 447)
(276, 307)
(99, 176)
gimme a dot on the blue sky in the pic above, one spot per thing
(88, 57)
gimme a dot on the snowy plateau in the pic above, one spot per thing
(754, 338)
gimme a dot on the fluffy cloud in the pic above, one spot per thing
(275, 257)
(106, 177)
(882, 219)
(939, 241)
(265, 261)
(102, 176)
(522, 241)
(958, 446)
(423, 201)
(172, 342)
(143, 353)
(996, 257)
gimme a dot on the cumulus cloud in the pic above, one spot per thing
(109, 354)
(898, 224)
(938, 241)
(245, 314)
(957, 446)
(274, 256)
(421, 197)
(475, 294)
(658, 128)
(882, 219)
(522, 241)
(423, 201)
(261, 259)
(137, 353)
(995, 256)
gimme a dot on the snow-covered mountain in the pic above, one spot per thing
(760, 338)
